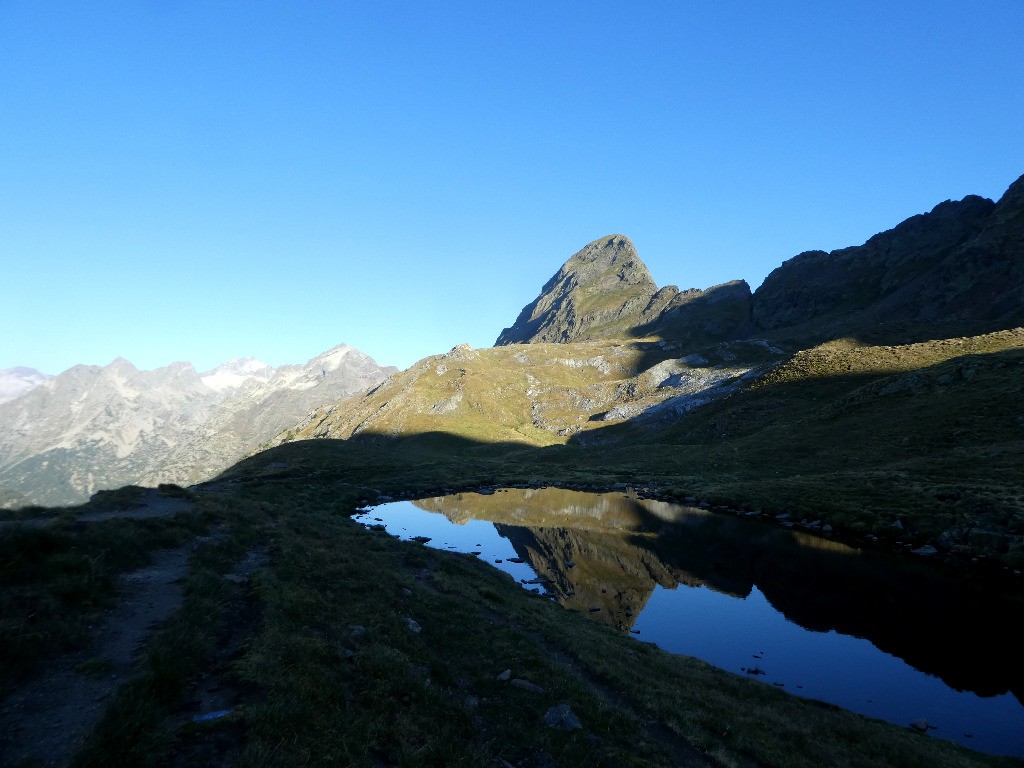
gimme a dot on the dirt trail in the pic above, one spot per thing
(154, 504)
(47, 719)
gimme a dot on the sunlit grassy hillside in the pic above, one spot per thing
(922, 444)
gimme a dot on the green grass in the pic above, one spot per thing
(142, 723)
(336, 676)
(333, 674)
(55, 580)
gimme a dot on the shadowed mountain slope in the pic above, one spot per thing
(820, 415)
(954, 271)
(957, 270)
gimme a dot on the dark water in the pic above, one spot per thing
(876, 634)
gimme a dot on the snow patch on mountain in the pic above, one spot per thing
(236, 373)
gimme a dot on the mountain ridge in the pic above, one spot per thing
(94, 427)
(954, 270)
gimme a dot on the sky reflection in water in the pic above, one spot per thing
(691, 582)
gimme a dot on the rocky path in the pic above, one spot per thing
(45, 721)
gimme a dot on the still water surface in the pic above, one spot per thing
(875, 634)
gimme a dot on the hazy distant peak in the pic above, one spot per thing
(243, 365)
(22, 372)
(333, 358)
(121, 364)
(14, 382)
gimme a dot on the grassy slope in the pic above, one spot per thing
(921, 444)
(532, 394)
(929, 435)
(333, 673)
(56, 579)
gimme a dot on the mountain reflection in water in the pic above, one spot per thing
(606, 554)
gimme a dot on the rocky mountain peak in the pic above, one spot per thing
(954, 270)
(122, 366)
(333, 358)
(605, 291)
(596, 293)
(606, 263)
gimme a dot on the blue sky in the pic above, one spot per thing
(198, 181)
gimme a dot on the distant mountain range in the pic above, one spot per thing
(64, 437)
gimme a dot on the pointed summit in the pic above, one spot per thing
(599, 288)
(605, 292)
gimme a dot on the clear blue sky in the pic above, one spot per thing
(194, 180)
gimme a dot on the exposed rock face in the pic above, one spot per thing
(957, 270)
(598, 293)
(96, 427)
(699, 317)
(816, 284)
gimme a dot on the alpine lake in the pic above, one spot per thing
(886, 635)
